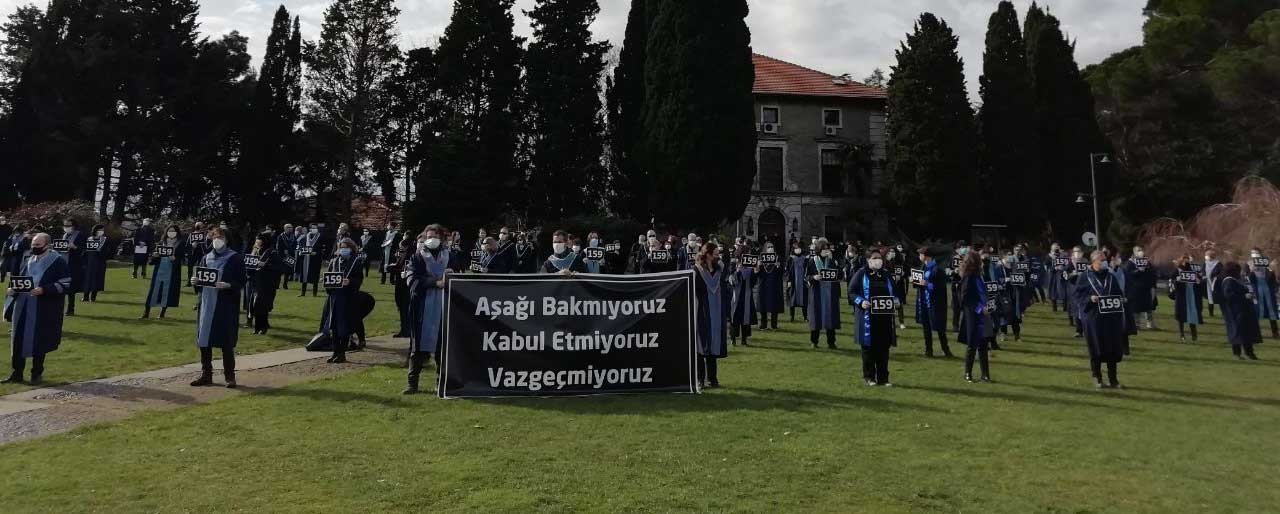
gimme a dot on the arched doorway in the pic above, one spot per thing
(773, 227)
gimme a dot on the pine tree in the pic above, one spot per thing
(472, 174)
(698, 133)
(562, 81)
(625, 93)
(349, 73)
(1009, 148)
(931, 139)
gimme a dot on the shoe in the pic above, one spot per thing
(968, 378)
(713, 385)
(902, 326)
(400, 334)
(410, 390)
(887, 384)
(928, 353)
(1182, 339)
(330, 359)
(870, 383)
(815, 346)
(1078, 335)
(144, 316)
(735, 342)
(1097, 384)
(1115, 385)
(302, 295)
(15, 378)
(744, 343)
(231, 383)
(948, 355)
(1253, 357)
(831, 346)
(204, 380)
(1239, 357)
(986, 380)
(339, 359)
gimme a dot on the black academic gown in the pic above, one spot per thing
(1106, 334)
(1239, 312)
(95, 266)
(526, 260)
(1139, 282)
(564, 261)
(341, 308)
(75, 260)
(872, 330)
(264, 283)
(824, 297)
(504, 259)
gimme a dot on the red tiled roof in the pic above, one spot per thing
(776, 77)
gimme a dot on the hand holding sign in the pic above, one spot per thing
(917, 276)
(205, 277)
(829, 275)
(882, 305)
(593, 253)
(61, 245)
(21, 284)
(332, 280)
(1110, 304)
(750, 261)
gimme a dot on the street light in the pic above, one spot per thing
(1093, 182)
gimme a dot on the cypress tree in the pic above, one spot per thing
(1009, 150)
(562, 81)
(932, 161)
(264, 157)
(698, 134)
(625, 92)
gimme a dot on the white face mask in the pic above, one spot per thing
(892, 255)
(172, 234)
(577, 248)
(102, 233)
(1077, 255)
(314, 230)
(1208, 258)
(219, 244)
(666, 247)
(1255, 255)
(1139, 254)
(826, 254)
(433, 243)
(595, 242)
(557, 247)
(66, 230)
(875, 263)
(796, 251)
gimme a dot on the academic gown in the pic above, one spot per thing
(340, 313)
(771, 278)
(390, 243)
(16, 249)
(931, 300)
(1003, 313)
(1139, 283)
(744, 305)
(1060, 285)
(75, 260)
(872, 330)
(799, 293)
(651, 266)
(526, 260)
(1264, 293)
(898, 273)
(824, 297)
(218, 322)
(1188, 300)
(265, 283)
(976, 325)
(1106, 334)
(711, 289)
(95, 266)
(1212, 272)
(309, 265)
(568, 260)
(166, 276)
(36, 327)
(426, 299)
(1239, 313)
(504, 260)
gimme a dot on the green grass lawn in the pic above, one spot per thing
(106, 338)
(793, 430)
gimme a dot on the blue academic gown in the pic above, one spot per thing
(712, 291)
(218, 322)
(166, 276)
(931, 300)
(1188, 300)
(426, 299)
(771, 290)
(824, 297)
(37, 320)
(872, 330)
(975, 317)
(1264, 293)
(744, 305)
(16, 249)
(796, 266)
(1107, 335)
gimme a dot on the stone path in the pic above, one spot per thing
(51, 410)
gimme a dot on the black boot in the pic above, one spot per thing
(14, 378)
(230, 378)
(206, 378)
(1111, 376)
(416, 360)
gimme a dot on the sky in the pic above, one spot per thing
(833, 36)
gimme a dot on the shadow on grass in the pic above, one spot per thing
(102, 338)
(1128, 397)
(983, 392)
(1269, 402)
(730, 398)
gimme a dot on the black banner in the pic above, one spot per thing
(552, 335)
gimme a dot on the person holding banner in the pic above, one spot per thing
(342, 282)
(143, 240)
(264, 283)
(221, 276)
(772, 277)
(311, 251)
(823, 274)
(1186, 289)
(34, 307)
(1265, 288)
(95, 263)
(1140, 285)
(976, 328)
(798, 293)
(874, 300)
(425, 274)
(1238, 312)
(166, 273)
(743, 281)
(711, 289)
(562, 260)
(1101, 304)
(931, 301)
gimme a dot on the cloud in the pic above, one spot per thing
(836, 36)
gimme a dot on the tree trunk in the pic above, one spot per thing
(125, 184)
(108, 160)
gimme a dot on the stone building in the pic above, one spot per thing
(820, 145)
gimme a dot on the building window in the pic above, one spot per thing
(769, 168)
(832, 230)
(770, 115)
(832, 118)
(832, 172)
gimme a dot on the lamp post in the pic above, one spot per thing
(1093, 183)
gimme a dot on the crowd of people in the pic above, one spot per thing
(741, 286)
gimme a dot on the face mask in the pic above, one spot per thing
(1255, 255)
(1139, 254)
(1208, 258)
(796, 251)
(892, 255)
(557, 247)
(38, 250)
(666, 247)
(433, 243)
(1077, 255)
(502, 236)
(577, 248)
(826, 254)
(223, 226)
(146, 222)
(595, 242)
(66, 229)
(219, 244)
(172, 234)
(102, 233)
(875, 263)
(345, 252)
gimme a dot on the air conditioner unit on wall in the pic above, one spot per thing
(769, 128)
(832, 131)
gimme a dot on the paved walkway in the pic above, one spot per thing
(51, 410)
